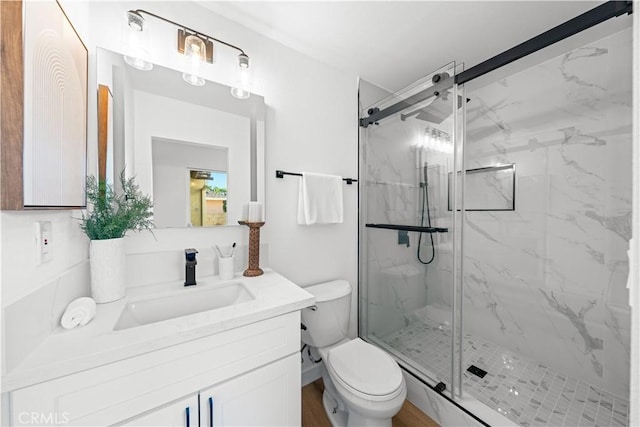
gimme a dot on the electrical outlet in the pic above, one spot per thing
(43, 242)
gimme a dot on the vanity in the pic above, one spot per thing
(145, 360)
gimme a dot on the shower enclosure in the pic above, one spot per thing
(505, 284)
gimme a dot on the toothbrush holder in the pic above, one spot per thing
(226, 268)
(254, 249)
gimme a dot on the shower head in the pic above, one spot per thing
(436, 111)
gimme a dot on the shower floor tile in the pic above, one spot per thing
(523, 390)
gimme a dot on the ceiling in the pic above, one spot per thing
(394, 43)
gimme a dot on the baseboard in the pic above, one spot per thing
(311, 373)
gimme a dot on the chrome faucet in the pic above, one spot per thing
(190, 267)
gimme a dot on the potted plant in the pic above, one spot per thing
(111, 216)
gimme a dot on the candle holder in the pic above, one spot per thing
(254, 249)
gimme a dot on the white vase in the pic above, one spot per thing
(107, 269)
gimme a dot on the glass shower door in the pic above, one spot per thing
(546, 231)
(407, 236)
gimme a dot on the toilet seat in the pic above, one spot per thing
(365, 371)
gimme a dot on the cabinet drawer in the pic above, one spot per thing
(121, 390)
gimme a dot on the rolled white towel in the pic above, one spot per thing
(78, 313)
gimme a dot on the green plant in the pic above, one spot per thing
(113, 214)
(216, 191)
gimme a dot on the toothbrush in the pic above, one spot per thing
(219, 252)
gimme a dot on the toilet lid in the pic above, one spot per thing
(365, 368)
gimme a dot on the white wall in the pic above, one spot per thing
(310, 126)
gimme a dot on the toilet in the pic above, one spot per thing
(364, 386)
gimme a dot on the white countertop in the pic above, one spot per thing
(66, 352)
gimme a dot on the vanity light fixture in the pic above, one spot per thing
(194, 44)
(436, 140)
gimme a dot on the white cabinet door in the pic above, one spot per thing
(181, 413)
(267, 396)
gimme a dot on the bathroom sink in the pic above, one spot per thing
(182, 303)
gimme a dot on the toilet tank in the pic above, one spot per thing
(329, 322)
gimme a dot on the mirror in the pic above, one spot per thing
(198, 151)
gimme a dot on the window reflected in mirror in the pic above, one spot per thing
(208, 197)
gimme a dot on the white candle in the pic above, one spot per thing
(256, 212)
(245, 212)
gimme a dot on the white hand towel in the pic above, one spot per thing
(320, 199)
(78, 313)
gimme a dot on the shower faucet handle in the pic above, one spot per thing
(403, 238)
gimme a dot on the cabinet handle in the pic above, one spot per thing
(211, 412)
(187, 415)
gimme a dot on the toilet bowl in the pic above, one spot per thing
(364, 386)
(368, 380)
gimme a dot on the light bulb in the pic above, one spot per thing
(137, 54)
(242, 84)
(196, 51)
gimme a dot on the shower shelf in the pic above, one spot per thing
(417, 228)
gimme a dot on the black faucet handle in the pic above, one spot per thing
(190, 254)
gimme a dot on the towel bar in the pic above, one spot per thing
(281, 174)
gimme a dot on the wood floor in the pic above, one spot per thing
(313, 414)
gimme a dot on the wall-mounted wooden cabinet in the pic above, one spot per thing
(43, 115)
